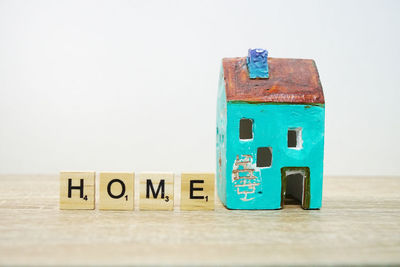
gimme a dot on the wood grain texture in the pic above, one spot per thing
(82, 190)
(359, 224)
(197, 191)
(121, 186)
(157, 199)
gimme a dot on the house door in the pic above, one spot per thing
(296, 185)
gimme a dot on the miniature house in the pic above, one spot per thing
(270, 132)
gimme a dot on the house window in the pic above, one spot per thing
(264, 157)
(294, 139)
(246, 129)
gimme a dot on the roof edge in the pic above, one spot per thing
(274, 103)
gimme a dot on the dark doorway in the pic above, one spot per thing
(295, 186)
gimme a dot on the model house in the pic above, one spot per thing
(270, 132)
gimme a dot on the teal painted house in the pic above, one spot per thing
(270, 132)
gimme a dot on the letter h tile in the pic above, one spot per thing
(77, 190)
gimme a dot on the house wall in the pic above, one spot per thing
(221, 139)
(270, 126)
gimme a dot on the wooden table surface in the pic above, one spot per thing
(358, 224)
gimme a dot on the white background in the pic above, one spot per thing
(123, 85)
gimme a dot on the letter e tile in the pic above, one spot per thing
(197, 191)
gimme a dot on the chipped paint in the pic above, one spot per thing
(246, 177)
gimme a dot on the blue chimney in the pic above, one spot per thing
(257, 63)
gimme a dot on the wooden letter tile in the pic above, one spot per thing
(77, 190)
(197, 191)
(117, 191)
(156, 191)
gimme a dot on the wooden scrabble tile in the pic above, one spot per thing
(156, 191)
(197, 191)
(117, 191)
(77, 190)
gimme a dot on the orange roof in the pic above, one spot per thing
(290, 81)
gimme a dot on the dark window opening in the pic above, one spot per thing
(246, 129)
(292, 138)
(264, 157)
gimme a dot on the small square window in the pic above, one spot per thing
(264, 157)
(246, 129)
(294, 139)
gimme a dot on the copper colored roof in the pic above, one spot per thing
(290, 81)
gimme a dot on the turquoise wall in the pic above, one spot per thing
(221, 140)
(270, 126)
